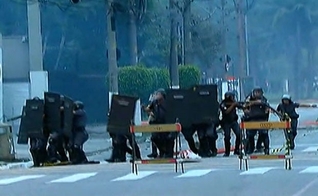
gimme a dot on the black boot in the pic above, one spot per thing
(237, 147)
(227, 145)
(212, 147)
(35, 158)
(292, 141)
(169, 149)
(251, 145)
(259, 147)
(154, 151)
(204, 150)
(266, 144)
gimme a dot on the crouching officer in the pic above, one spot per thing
(257, 111)
(80, 136)
(56, 151)
(287, 106)
(156, 109)
(38, 146)
(229, 122)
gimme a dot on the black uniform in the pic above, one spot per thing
(80, 136)
(163, 141)
(38, 150)
(229, 122)
(154, 149)
(258, 112)
(38, 146)
(290, 109)
(56, 150)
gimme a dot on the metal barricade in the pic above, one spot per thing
(282, 125)
(161, 128)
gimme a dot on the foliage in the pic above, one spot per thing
(135, 81)
(189, 75)
(141, 81)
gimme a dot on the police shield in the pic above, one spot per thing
(23, 132)
(33, 119)
(205, 103)
(178, 106)
(122, 113)
(52, 112)
(67, 116)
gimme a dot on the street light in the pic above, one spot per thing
(75, 1)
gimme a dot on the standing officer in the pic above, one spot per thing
(289, 107)
(257, 111)
(229, 122)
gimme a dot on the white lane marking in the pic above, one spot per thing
(311, 149)
(74, 178)
(103, 162)
(19, 179)
(131, 176)
(195, 173)
(312, 169)
(255, 171)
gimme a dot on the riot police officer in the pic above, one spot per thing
(229, 122)
(289, 107)
(56, 151)
(38, 146)
(163, 141)
(154, 149)
(257, 111)
(80, 135)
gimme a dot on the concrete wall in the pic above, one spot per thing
(15, 77)
(15, 59)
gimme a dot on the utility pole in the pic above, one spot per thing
(173, 64)
(112, 46)
(241, 36)
(246, 41)
(34, 36)
(224, 53)
(187, 43)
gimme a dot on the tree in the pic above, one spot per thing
(293, 22)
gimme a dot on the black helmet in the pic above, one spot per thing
(78, 105)
(36, 98)
(162, 92)
(286, 97)
(229, 94)
(257, 89)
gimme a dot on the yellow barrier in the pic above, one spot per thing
(161, 128)
(285, 125)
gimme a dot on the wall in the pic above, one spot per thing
(91, 90)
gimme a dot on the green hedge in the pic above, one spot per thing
(141, 81)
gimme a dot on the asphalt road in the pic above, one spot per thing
(213, 176)
(217, 176)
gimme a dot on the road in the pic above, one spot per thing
(218, 176)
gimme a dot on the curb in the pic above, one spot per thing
(21, 165)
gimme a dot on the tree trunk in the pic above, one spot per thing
(187, 33)
(297, 81)
(241, 37)
(112, 46)
(311, 72)
(223, 44)
(62, 42)
(174, 72)
(132, 38)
